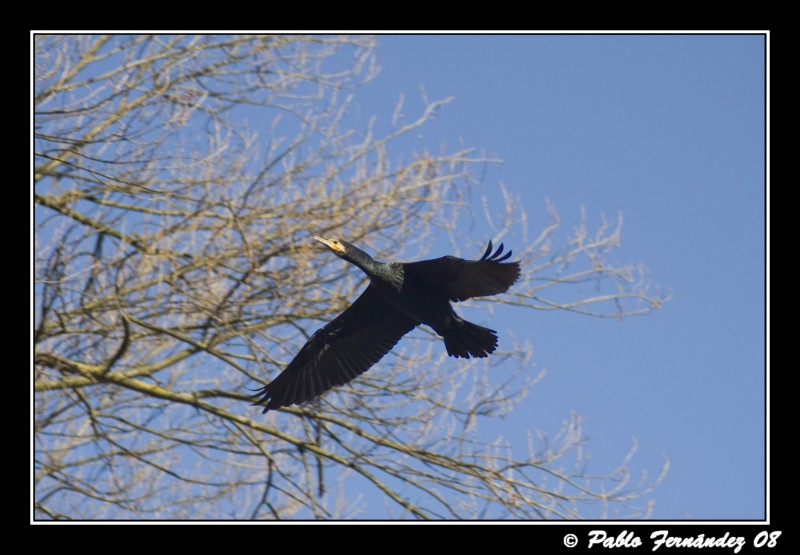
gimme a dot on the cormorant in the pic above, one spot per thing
(400, 296)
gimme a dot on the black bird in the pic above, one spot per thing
(400, 296)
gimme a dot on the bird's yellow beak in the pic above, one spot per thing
(332, 244)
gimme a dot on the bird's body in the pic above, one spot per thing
(400, 296)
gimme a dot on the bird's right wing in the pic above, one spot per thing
(339, 351)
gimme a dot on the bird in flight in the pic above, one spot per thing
(400, 296)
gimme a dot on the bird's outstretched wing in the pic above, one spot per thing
(463, 279)
(339, 351)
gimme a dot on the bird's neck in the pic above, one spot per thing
(368, 265)
(386, 272)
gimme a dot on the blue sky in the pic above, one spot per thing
(669, 130)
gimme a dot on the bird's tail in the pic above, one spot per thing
(467, 339)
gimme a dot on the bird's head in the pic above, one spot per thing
(347, 251)
(339, 247)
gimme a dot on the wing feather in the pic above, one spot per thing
(463, 279)
(343, 349)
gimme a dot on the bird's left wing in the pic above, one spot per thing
(339, 351)
(461, 279)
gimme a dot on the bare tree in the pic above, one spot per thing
(178, 180)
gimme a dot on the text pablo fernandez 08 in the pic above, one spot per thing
(662, 538)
